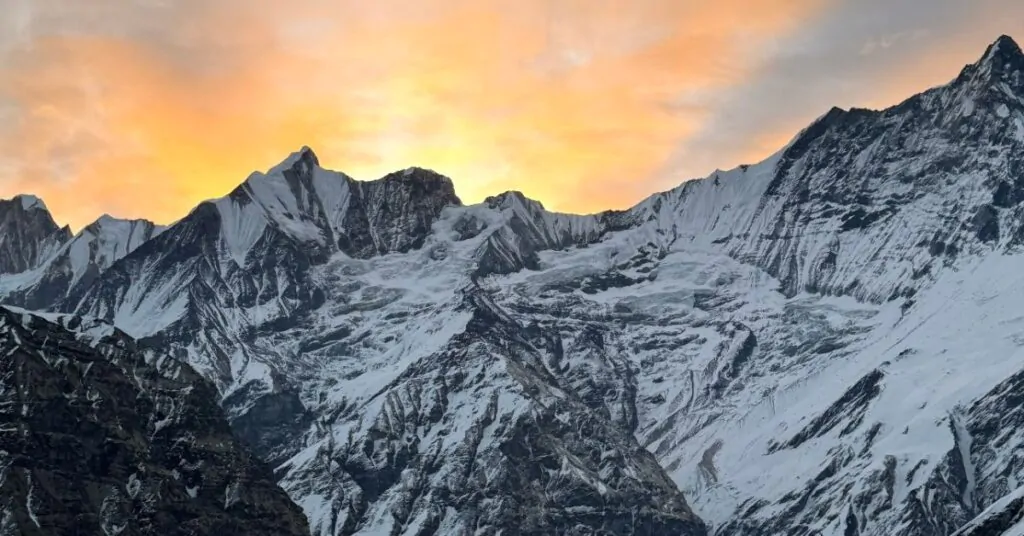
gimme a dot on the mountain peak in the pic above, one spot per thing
(26, 202)
(424, 182)
(1000, 60)
(1003, 48)
(28, 234)
(416, 174)
(304, 157)
(510, 198)
(29, 202)
(108, 221)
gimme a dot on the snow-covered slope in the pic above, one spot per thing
(1004, 518)
(65, 272)
(827, 342)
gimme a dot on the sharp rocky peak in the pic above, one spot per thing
(28, 202)
(28, 234)
(995, 82)
(1002, 50)
(1003, 61)
(422, 182)
(23, 203)
(303, 159)
(510, 199)
(107, 221)
(300, 166)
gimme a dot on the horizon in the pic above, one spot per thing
(109, 115)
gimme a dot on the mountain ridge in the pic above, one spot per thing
(776, 348)
(1004, 48)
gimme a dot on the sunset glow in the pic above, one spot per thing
(143, 109)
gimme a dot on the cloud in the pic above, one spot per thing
(144, 108)
(857, 53)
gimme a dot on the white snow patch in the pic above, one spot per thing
(29, 202)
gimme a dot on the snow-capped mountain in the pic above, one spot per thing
(827, 342)
(100, 436)
(66, 271)
(28, 234)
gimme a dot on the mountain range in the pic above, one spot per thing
(828, 342)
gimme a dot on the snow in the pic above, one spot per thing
(242, 224)
(95, 248)
(289, 163)
(967, 107)
(271, 200)
(134, 486)
(232, 494)
(29, 507)
(30, 202)
(334, 190)
(997, 508)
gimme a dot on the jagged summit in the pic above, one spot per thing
(1003, 61)
(28, 234)
(25, 201)
(304, 162)
(506, 197)
(108, 219)
(304, 157)
(1004, 48)
(429, 179)
(29, 202)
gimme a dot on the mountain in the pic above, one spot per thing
(101, 436)
(66, 272)
(238, 289)
(43, 264)
(826, 342)
(28, 234)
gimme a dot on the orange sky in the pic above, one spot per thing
(143, 109)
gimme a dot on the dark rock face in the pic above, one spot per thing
(98, 438)
(395, 213)
(273, 420)
(28, 234)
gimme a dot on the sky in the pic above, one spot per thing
(143, 108)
